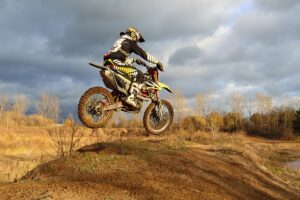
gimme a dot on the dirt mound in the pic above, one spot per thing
(148, 170)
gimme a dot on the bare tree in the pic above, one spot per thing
(214, 122)
(250, 106)
(264, 107)
(3, 102)
(48, 106)
(180, 105)
(20, 104)
(237, 103)
(293, 103)
(264, 103)
(203, 104)
(66, 138)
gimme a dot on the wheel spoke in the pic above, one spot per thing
(91, 105)
(155, 121)
(93, 108)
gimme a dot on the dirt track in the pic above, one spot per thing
(149, 170)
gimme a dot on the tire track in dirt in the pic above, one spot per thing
(149, 170)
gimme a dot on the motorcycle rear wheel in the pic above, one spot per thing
(152, 123)
(90, 106)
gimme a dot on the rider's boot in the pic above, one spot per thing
(131, 99)
(134, 89)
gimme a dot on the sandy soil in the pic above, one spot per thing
(150, 170)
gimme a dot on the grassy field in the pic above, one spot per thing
(21, 150)
(127, 153)
(26, 143)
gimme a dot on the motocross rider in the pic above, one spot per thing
(119, 55)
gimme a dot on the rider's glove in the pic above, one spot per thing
(160, 66)
(138, 61)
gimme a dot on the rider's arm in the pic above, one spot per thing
(145, 55)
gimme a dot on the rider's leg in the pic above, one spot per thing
(134, 74)
(136, 79)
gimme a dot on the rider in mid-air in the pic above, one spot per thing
(119, 55)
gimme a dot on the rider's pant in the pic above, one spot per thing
(131, 71)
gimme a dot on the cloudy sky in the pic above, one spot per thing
(223, 46)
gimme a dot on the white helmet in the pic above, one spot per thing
(134, 34)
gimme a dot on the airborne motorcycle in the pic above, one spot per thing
(97, 104)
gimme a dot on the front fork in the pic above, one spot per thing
(158, 103)
(157, 99)
(159, 110)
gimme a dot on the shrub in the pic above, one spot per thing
(38, 121)
(66, 137)
(193, 123)
(296, 123)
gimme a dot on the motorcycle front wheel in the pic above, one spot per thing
(158, 117)
(90, 107)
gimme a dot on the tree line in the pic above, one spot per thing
(259, 116)
(47, 105)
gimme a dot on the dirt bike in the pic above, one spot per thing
(97, 104)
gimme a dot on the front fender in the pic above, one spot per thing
(165, 86)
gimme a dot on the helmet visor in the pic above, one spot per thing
(140, 37)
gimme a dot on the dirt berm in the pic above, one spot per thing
(149, 170)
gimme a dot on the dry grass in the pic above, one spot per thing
(22, 149)
(25, 143)
(12, 120)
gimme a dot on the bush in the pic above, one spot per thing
(296, 123)
(12, 119)
(288, 134)
(38, 121)
(66, 137)
(193, 123)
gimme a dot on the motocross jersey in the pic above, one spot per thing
(122, 49)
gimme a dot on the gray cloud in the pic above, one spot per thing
(46, 45)
(185, 55)
(94, 25)
(278, 5)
